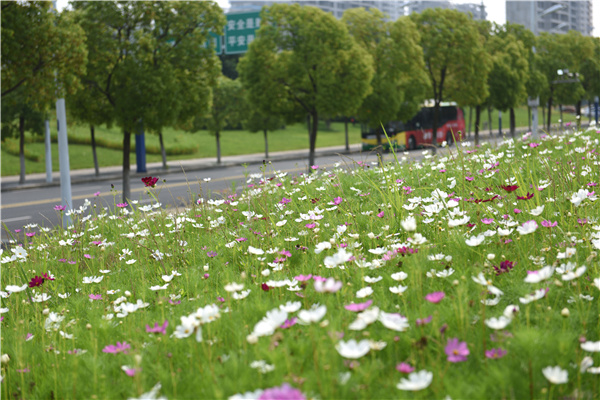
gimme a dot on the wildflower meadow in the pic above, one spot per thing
(470, 274)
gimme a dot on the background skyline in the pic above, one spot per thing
(496, 10)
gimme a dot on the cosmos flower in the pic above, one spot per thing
(353, 349)
(416, 381)
(285, 391)
(435, 297)
(456, 351)
(556, 375)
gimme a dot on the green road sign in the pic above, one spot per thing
(216, 42)
(240, 31)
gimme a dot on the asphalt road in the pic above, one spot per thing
(36, 206)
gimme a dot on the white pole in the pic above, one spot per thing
(48, 154)
(63, 159)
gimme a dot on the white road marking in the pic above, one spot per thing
(24, 218)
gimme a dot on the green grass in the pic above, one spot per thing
(232, 143)
(269, 234)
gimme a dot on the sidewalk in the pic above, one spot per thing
(38, 180)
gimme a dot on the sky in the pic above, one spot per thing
(496, 10)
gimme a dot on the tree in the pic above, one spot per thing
(42, 55)
(302, 64)
(455, 59)
(398, 65)
(256, 121)
(562, 52)
(149, 62)
(227, 103)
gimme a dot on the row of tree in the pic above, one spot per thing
(126, 63)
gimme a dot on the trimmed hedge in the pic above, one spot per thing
(11, 146)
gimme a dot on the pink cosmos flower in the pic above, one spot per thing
(549, 224)
(533, 145)
(311, 225)
(289, 323)
(405, 368)
(95, 297)
(336, 201)
(381, 214)
(469, 178)
(131, 371)
(59, 208)
(357, 307)
(435, 297)
(118, 348)
(30, 234)
(456, 351)
(423, 321)
(282, 392)
(97, 194)
(158, 328)
(517, 211)
(303, 278)
(487, 221)
(315, 167)
(122, 205)
(495, 353)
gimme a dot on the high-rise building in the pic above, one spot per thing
(476, 10)
(552, 16)
(393, 9)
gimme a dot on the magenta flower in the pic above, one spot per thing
(47, 276)
(549, 224)
(59, 208)
(149, 181)
(131, 371)
(495, 353)
(97, 194)
(122, 205)
(405, 368)
(283, 392)
(517, 211)
(357, 307)
(456, 351)
(285, 200)
(469, 178)
(36, 281)
(95, 297)
(289, 323)
(337, 201)
(381, 214)
(311, 225)
(158, 328)
(435, 297)
(487, 221)
(30, 234)
(315, 167)
(424, 321)
(533, 144)
(118, 348)
(211, 253)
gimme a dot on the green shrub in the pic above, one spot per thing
(11, 146)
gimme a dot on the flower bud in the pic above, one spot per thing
(252, 339)
(206, 267)
(127, 293)
(265, 272)
(88, 326)
(491, 256)
(5, 359)
(565, 312)
(46, 311)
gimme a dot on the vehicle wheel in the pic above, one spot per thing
(412, 144)
(449, 139)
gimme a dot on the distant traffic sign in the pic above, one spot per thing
(240, 31)
(215, 41)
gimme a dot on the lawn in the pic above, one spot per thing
(465, 276)
(232, 143)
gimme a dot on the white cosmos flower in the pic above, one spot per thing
(66, 335)
(254, 250)
(539, 275)
(475, 240)
(586, 363)
(395, 322)
(498, 323)
(579, 196)
(291, 306)
(409, 224)
(527, 227)
(399, 276)
(504, 232)
(570, 275)
(338, 258)
(15, 288)
(378, 251)
(40, 298)
(480, 279)
(538, 294)
(398, 289)
(556, 375)
(591, 346)
(416, 381)
(315, 314)
(417, 239)
(129, 262)
(281, 223)
(569, 252)
(353, 349)
(364, 319)
(158, 287)
(273, 320)
(537, 211)
(262, 366)
(322, 246)
(241, 295)
(364, 292)
(92, 279)
(3, 310)
(458, 222)
(596, 282)
(510, 311)
(377, 345)
(368, 279)
(167, 278)
(328, 286)
(234, 287)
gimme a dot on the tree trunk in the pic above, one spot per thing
(489, 110)
(266, 145)
(561, 117)
(163, 152)
(126, 165)
(328, 124)
(550, 111)
(312, 139)
(529, 117)
(477, 116)
(218, 147)
(578, 114)
(346, 133)
(590, 102)
(470, 120)
(92, 133)
(22, 147)
(513, 123)
(379, 148)
(544, 118)
(434, 128)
